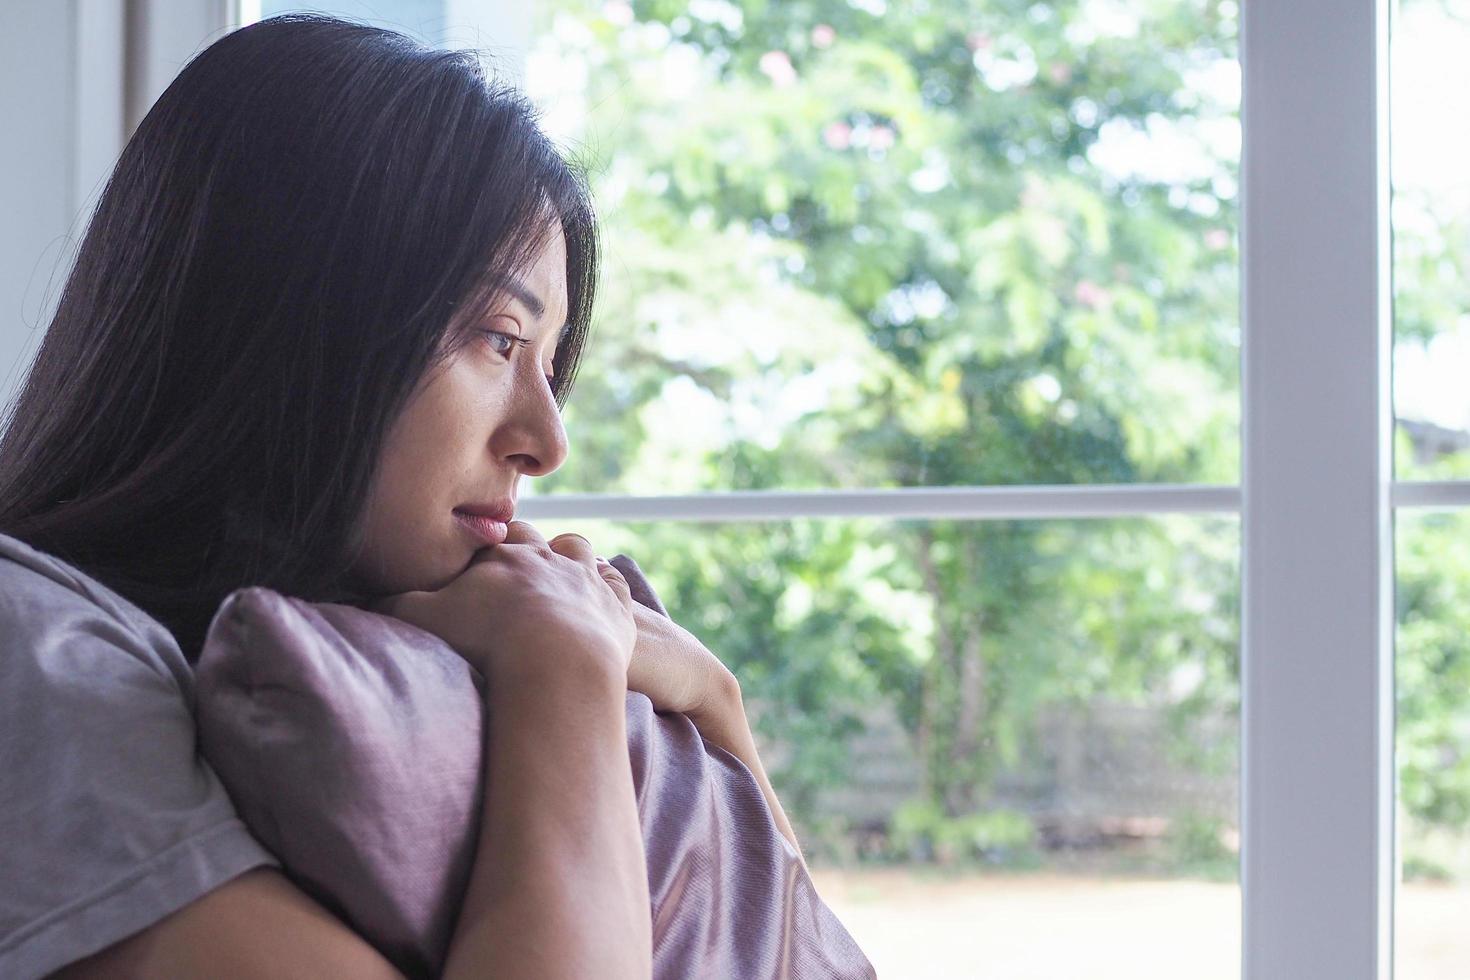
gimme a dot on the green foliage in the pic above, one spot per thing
(850, 250)
(1423, 869)
(1431, 261)
(1433, 599)
(922, 831)
(1196, 843)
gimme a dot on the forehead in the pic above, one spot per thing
(549, 265)
(539, 284)
(546, 279)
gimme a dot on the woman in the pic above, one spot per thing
(321, 324)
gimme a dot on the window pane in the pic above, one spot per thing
(426, 20)
(1009, 749)
(1431, 229)
(1433, 745)
(859, 244)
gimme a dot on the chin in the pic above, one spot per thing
(427, 567)
(423, 575)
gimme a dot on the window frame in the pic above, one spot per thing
(1317, 830)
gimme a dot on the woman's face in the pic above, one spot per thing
(469, 432)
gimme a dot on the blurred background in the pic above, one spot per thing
(850, 245)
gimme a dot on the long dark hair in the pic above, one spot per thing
(299, 229)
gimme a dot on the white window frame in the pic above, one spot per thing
(1317, 855)
(1316, 500)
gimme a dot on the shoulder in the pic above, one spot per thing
(115, 817)
(80, 666)
(48, 606)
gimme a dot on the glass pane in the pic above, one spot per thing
(859, 244)
(1433, 745)
(1009, 749)
(1431, 230)
(441, 23)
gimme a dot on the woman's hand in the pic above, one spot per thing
(677, 672)
(529, 610)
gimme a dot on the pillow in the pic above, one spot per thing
(350, 743)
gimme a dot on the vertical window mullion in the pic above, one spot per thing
(1317, 772)
(99, 123)
(163, 35)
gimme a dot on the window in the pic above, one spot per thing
(1431, 243)
(917, 250)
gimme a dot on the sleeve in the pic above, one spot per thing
(110, 820)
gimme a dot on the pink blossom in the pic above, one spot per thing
(776, 66)
(823, 35)
(880, 138)
(837, 135)
(1059, 72)
(1217, 238)
(1089, 293)
(976, 40)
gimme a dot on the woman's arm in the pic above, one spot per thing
(725, 724)
(678, 673)
(559, 886)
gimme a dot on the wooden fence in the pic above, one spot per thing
(1096, 769)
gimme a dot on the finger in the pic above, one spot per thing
(521, 532)
(638, 584)
(616, 582)
(574, 546)
(609, 571)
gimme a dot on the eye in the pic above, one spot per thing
(509, 340)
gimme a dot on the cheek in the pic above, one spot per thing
(411, 540)
(404, 547)
(410, 532)
(426, 452)
(389, 523)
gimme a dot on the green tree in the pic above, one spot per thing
(852, 249)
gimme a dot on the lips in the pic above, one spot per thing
(487, 521)
(489, 531)
(502, 510)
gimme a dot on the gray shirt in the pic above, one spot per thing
(110, 819)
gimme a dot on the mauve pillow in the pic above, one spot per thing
(350, 742)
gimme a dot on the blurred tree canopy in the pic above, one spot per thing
(856, 244)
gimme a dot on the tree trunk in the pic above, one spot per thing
(965, 748)
(944, 655)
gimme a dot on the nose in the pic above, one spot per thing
(531, 436)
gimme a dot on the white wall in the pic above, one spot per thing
(38, 79)
(75, 77)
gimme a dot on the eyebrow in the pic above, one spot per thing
(532, 302)
(528, 299)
